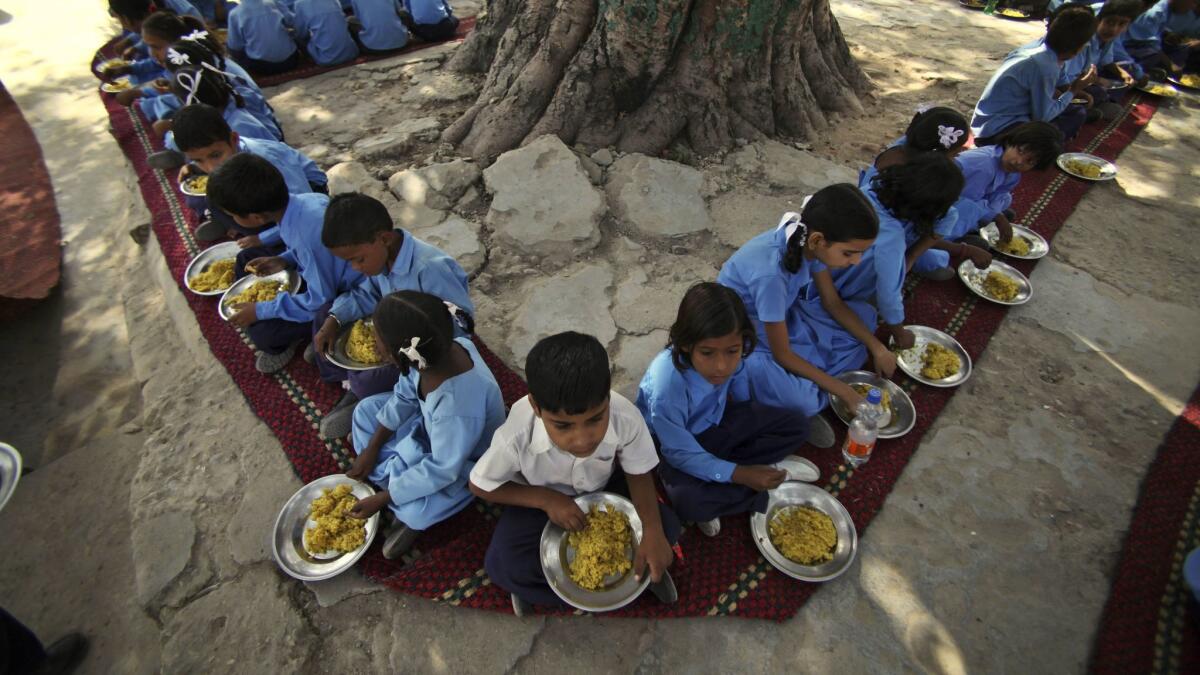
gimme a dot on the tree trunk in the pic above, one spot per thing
(639, 74)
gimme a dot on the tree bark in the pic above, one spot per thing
(640, 74)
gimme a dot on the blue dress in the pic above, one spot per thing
(426, 463)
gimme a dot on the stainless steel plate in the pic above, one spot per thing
(799, 469)
(1180, 82)
(1038, 248)
(973, 278)
(114, 86)
(556, 555)
(339, 357)
(794, 494)
(287, 543)
(10, 472)
(1108, 170)
(288, 277)
(210, 255)
(904, 414)
(1159, 89)
(188, 187)
(909, 360)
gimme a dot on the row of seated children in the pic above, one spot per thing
(1162, 38)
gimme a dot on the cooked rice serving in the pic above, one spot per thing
(216, 277)
(1018, 245)
(1082, 168)
(803, 535)
(939, 363)
(361, 344)
(1000, 286)
(119, 85)
(601, 549)
(197, 183)
(259, 291)
(336, 529)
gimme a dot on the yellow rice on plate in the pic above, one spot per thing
(1001, 287)
(259, 291)
(216, 277)
(336, 529)
(938, 363)
(197, 183)
(361, 344)
(601, 548)
(1082, 168)
(803, 535)
(1018, 245)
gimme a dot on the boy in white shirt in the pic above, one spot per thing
(563, 440)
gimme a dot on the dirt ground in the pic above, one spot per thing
(145, 521)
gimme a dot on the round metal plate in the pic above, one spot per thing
(556, 555)
(1189, 81)
(799, 469)
(1159, 89)
(909, 360)
(10, 472)
(287, 542)
(224, 251)
(973, 277)
(114, 87)
(1108, 170)
(973, 4)
(904, 414)
(288, 277)
(339, 357)
(1017, 14)
(802, 494)
(1038, 248)
(188, 187)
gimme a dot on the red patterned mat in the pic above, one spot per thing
(1151, 623)
(30, 255)
(720, 576)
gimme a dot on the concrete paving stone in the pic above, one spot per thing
(163, 545)
(438, 87)
(437, 186)
(576, 300)
(632, 357)
(658, 197)
(459, 238)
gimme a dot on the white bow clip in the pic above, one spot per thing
(196, 35)
(414, 355)
(948, 136)
(192, 83)
(177, 57)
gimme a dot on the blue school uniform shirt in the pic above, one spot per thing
(162, 107)
(299, 173)
(458, 420)
(207, 9)
(755, 272)
(1122, 58)
(987, 188)
(418, 267)
(185, 8)
(1186, 23)
(428, 12)
(1147, 29)
(259, 28)
(678, 405)
(239, 120)
(1022, 90)
(1095, 53)
(381, 26)
(322, 24)
(325, 275)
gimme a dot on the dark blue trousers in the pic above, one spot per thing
(20, 650)
(513, 561)
(749, 433)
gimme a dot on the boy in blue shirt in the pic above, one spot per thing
(567, 438)
(378, 25)
(1150, 42)
(359, 230)
(430, 20)
(321, 28)
(255, 195)
(1024, 88)
(259, 37)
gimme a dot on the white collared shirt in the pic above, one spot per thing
(522, 452)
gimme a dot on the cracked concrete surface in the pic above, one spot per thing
(147, 518)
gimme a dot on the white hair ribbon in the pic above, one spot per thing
(191, 83)
(924, 107)
(791, 221)
(948, 136)
(196, 35)
(412, 354)
(227, 75)
(178, 58)
(454, 309)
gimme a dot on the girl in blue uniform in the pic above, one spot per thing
(790, 368)
(719, 446)
(912, 201)
(419, 443)
(940, 129)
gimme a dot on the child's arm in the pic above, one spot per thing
(369, 455)
(681, 449)
(653, 550)
(452, 437)
(561, 509)
(881, 356)
(347, 308)
(781, 350)
(890, 269)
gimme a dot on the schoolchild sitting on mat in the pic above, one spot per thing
(567, 438)
(790, 367)
(359, 230)
(1153, 45)
(718, 444)
(939, 129)
(322, 30)
(419, 442)
(254, 194)
(1112, 19)
(260, 37)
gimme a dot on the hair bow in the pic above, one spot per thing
(948, 136)
(178, 58)
(191, 83)
(412, 354)
(196, 35)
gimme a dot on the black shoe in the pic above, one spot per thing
(399, 541)
(338, 422)
(1093, 115)
(64, 656)
(520, 607)
(664, 589)
(209, 230)
(166, 160)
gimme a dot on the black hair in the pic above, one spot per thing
(923, 134)
(199, 125)
(708, 310)
(354, 218)
(1043, 139)
(134, 10)
(1129, 9)
(247, 184)
(213, 84)
(840, 212)
(172, 27)
(921, 191)
(213, 89)
(404, 315)
(1071, 27)
(568, 373)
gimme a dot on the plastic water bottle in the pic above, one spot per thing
(864, 429)
(990, 7)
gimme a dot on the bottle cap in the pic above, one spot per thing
(874, 397)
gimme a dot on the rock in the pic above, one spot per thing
(740, 215)
(594, 172)
(345, 585)
(459, 238)
(785, 168)
(603, 157)
(576, 301)
(438, 87)
(657, 197)
(543, 201)
(162, 548)
(399, 138)
(351, 177)
(410, 215)
(316, 151)
(250, 529)
(635, 354)
(470, 200)
(438, 185)
(642, 304)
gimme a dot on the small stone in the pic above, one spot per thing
(459, 239)
(351, 177)
(603, 157)
(398, 139)
(438, 87)
(162, 548)
(437, 186)
(657, 197)
(594, 172)
(131, 427)
(575, 301)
